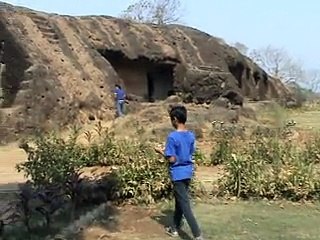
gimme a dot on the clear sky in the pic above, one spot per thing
(292, 24)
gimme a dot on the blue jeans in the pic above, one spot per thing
(120, 107)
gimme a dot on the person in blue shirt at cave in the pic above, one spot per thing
(120, 97)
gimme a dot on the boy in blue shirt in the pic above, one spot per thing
(120, 97)
(179, 150)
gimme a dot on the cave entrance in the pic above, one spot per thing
(142, 77)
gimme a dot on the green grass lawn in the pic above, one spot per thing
(258, 220)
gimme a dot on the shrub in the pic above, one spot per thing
(54, 166)
(139, 174)
(243, 176)
(144, 178)
(225, 137)
(269, 150)
(222, 151)
(311, 151)
(269, 168)
(52, 160)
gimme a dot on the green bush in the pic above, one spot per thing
(273, 169)
(311, 151)
(243, 176)
(224, 137)
(144, 178)
(222, 152)
(139, 174)
(269, 150)
(52, 160)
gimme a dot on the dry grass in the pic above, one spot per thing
(308, 120)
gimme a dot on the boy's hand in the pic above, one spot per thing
(159, 150)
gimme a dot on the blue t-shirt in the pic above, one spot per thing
(120, 94)
(181, 145)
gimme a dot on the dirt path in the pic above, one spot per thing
(10, 156)
(131, 223)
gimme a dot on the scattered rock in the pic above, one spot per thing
(292, 104)
(174, 99)
(225, 115)
(234, 97)
(222, 102)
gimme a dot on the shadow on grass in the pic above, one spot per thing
(165, 219)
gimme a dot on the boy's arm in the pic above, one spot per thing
(161, 152)
(169, 151)
(171, 159)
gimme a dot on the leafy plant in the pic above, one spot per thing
(270, 168)
(243, 178)
(99, 129)
(225, 137)
(52, 160)
(88, 136)
(311, 151)
(144, 178)
(222, 152)
(200, 158)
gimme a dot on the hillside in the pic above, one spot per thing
(61, 69)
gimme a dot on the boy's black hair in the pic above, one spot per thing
(179, 113)
(118, 86)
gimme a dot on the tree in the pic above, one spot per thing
(278, 63)
(313, 79)
(154, 11)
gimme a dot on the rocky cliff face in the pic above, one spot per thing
(61, 69)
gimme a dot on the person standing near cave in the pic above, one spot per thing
(120, 97)
(2, 66)
(179, 151)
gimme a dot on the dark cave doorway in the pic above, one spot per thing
(143, 77)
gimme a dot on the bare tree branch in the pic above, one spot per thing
(154, 11)
(313, 79)
(278, 63)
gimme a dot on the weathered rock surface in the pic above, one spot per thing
(61, 69)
